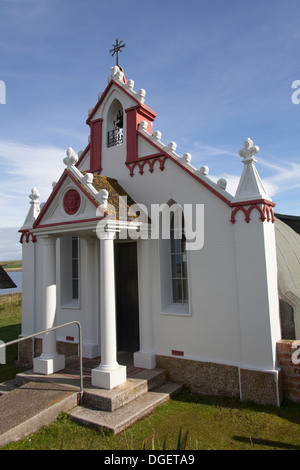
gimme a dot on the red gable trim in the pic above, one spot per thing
(66, 174)
(187, 170)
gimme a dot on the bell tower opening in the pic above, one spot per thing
(115, 124)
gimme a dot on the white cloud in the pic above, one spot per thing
(23, 167)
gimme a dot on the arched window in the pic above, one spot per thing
(115, 124)
(178, 260)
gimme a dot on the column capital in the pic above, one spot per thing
(106, 231)
(48, 239)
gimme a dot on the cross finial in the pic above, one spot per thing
(116, 49)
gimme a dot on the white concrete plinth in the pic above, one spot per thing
(47, 366)
(108, 379)
(144, 359)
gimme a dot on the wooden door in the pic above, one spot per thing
(127, 304)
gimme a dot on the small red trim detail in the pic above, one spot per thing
(69, 338)
(27, 234)
(266, 213)
(150, 160)
(177, 353)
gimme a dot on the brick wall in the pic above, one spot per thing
(288, 357)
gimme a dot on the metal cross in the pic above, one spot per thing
(117, 48)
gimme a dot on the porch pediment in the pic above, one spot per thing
(83, 198)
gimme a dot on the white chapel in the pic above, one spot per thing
(154, 258)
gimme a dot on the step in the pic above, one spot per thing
(25, 410)
(131, 412)
(139, 382)
(111, 400)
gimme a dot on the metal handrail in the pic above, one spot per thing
(24, 338)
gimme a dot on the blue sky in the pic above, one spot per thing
(215, 72)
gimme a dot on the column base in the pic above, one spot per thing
(144, 359)
(108, 379)
(47, 366)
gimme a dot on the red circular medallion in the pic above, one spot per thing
(72, 202)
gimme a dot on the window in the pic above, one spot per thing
(178, 262)
(75, 261)
(115, 124)
(69, 271)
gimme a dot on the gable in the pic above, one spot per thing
(69, 203)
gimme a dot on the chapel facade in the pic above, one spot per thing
(154, 258)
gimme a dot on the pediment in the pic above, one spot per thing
(69, 203)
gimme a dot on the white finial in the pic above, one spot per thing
(103, 197)
(249, 151)
(157, 135)
(143, 125)
(187, 157)
(222, 183)
(71, 157)
(89, 177)
(130, 84)
(172, 146)
(204, 170)
(34, 195)
(142, 95)
(99, 95)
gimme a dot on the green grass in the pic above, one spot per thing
(212, 423)
(11, 265)
(10, 328)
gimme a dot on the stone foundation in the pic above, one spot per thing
(209, 378)
(26, 353)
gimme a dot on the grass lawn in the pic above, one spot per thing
(10, 328)
(11, 265)
(212, 423)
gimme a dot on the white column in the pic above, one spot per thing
(146, 357)
(109, 373)
(49, 361)
(90, 333)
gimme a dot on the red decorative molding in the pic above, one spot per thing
(150, 160)
(266, 212)
(72, 201)
(27, 235)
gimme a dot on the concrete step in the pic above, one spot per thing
(111, 400)
(129, 413)
(25, 410)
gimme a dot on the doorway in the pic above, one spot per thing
(127, 301)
